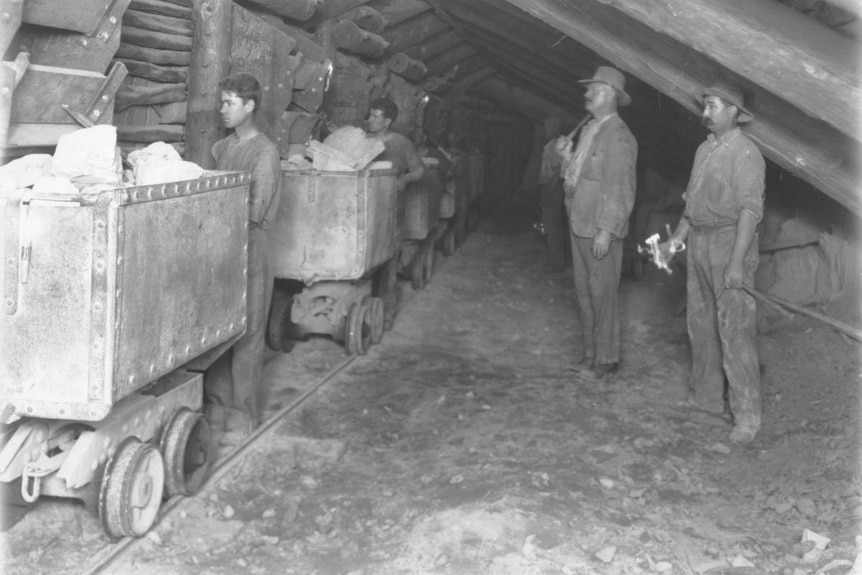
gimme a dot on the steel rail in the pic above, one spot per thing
(112, 553)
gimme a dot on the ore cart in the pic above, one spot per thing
(337, 236)
(421, 226)
(109, 301)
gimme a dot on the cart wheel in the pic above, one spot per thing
(186, 448)
(279, 323)
(358, 329)
(449, 242)
(131, 490)
(375, 310)
(428, 266)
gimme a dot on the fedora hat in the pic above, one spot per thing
(730, 94)
(613, 78)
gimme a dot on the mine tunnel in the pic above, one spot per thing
(430, 286)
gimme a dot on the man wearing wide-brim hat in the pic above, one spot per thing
(599, 184)
(723, 204)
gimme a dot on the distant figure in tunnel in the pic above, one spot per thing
(723, 204)
(550, 184)
(599, 187)
(399, 149)
(235, 404)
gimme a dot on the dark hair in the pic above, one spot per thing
(245, 86)
(385, 105)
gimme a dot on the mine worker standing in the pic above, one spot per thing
(599, 186)
(236, 403)
(551, 193)
(399, 149)
(723, 204)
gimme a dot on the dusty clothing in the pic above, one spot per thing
(260, 156)
(727, 177)
(401, 152)
(551, 163)
(600, 197)
(596, 283)
(603, 194)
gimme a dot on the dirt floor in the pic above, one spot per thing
(465, 444)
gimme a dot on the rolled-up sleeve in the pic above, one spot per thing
(619, 185)
(749, 174)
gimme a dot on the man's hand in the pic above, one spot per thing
(601, 243)
(564, 146)
(733, 276)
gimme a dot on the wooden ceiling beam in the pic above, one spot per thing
(474, 77)
(397, 11)
(447, 60)
(435, 45)
(814, 69)
(414, 31)
(798, 155)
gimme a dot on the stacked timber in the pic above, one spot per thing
(358, 32)
(156, 47)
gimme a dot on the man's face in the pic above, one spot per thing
(597, 97)
(377, 122)
(717, 116)
(235, 111)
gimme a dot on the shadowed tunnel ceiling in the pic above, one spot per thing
(797, 62)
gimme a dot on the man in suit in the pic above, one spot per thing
(599, 185)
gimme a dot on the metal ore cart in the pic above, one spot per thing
(421, 225)
(108, 301)
(337, 236)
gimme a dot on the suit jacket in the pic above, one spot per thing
(604, 195)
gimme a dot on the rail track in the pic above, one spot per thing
(111, 555)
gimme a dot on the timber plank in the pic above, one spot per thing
(150, 134)
(163, 7)
(412, 32)
(43, 89)
(154, 72)
(143, 95)
(397, 11)
(300, 10)
(158, 23)
(154, 56)
(159, 40)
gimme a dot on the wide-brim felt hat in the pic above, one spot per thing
(613, 78)
(732, 95)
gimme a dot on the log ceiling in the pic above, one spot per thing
(801, 76)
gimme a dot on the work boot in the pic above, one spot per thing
(744, 433)
(217, 417)
(238, 426)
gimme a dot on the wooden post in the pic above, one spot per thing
(404, 65)
(366, 18)
(210, 63)
(300, 10)
(351, 38)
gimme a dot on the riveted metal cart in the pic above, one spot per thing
(110, 301)
(337, 235)
(421, 220)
